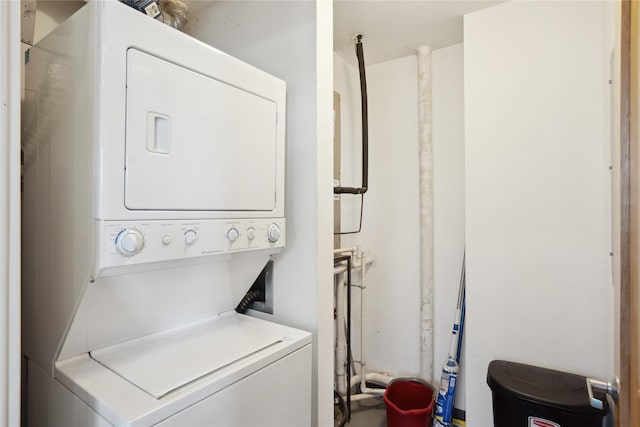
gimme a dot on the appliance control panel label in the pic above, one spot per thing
(137, 242)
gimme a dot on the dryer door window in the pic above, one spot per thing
(196, 143)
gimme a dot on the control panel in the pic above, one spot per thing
(137, 242)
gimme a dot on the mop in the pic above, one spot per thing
(449, 377)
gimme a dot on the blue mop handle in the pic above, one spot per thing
(459, 350)
(458, 324)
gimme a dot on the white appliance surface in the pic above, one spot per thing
(194, 142)
(255, 402)
(161, 363)
(155, 181)
(121, 400)
(167, 240)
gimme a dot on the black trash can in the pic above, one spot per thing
(530, 396)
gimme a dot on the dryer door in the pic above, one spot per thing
(196, 143)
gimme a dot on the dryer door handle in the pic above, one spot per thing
(158, 133)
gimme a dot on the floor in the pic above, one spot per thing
(366, 413)
(371, 413)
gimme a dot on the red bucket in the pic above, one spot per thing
(409, 403)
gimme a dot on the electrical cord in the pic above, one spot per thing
(342, 407)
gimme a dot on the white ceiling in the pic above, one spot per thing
(391, 28)
(395, 28)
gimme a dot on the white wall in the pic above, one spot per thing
(324, 209)
(448, 200)
(285, 38)
(255, 33)
(10, 353)
(390, 228)
(49, 14)
(538, 282)
(391, 225)
(391, 222)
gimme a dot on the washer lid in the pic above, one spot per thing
(162, 363)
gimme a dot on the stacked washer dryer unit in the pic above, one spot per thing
(153, 197)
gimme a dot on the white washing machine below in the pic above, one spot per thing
(222, 372)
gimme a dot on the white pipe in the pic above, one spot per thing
(426, 213)
(356, 397)
(345, 250)
(339, 269)
(355, 379)
(363, 268)
(360, 261)
(373, 376)
(363, 286)
(363, 377)
(357, 262)
(381, 378)
(341, 344)
(341, 341)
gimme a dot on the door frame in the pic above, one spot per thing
(628, 409)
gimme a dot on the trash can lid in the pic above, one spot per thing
(547, 387)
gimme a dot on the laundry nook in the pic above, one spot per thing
(153, 231)
(319, 213)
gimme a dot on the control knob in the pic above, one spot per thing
(129, 242)
(274, 233)
(251, 233)
(190, 237)
(232, 234)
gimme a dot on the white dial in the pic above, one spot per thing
(129, 242)
(166, 240)
(190, 237)
(274, 233)
(232, 234)
(251, 233)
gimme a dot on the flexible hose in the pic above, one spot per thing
(365, 128)
(365, 114)
(252, 296)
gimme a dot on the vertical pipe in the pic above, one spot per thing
(338, 260)
(426, 212)
(341, 351)
(363, 268)
(349, 339)
(634, 146)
